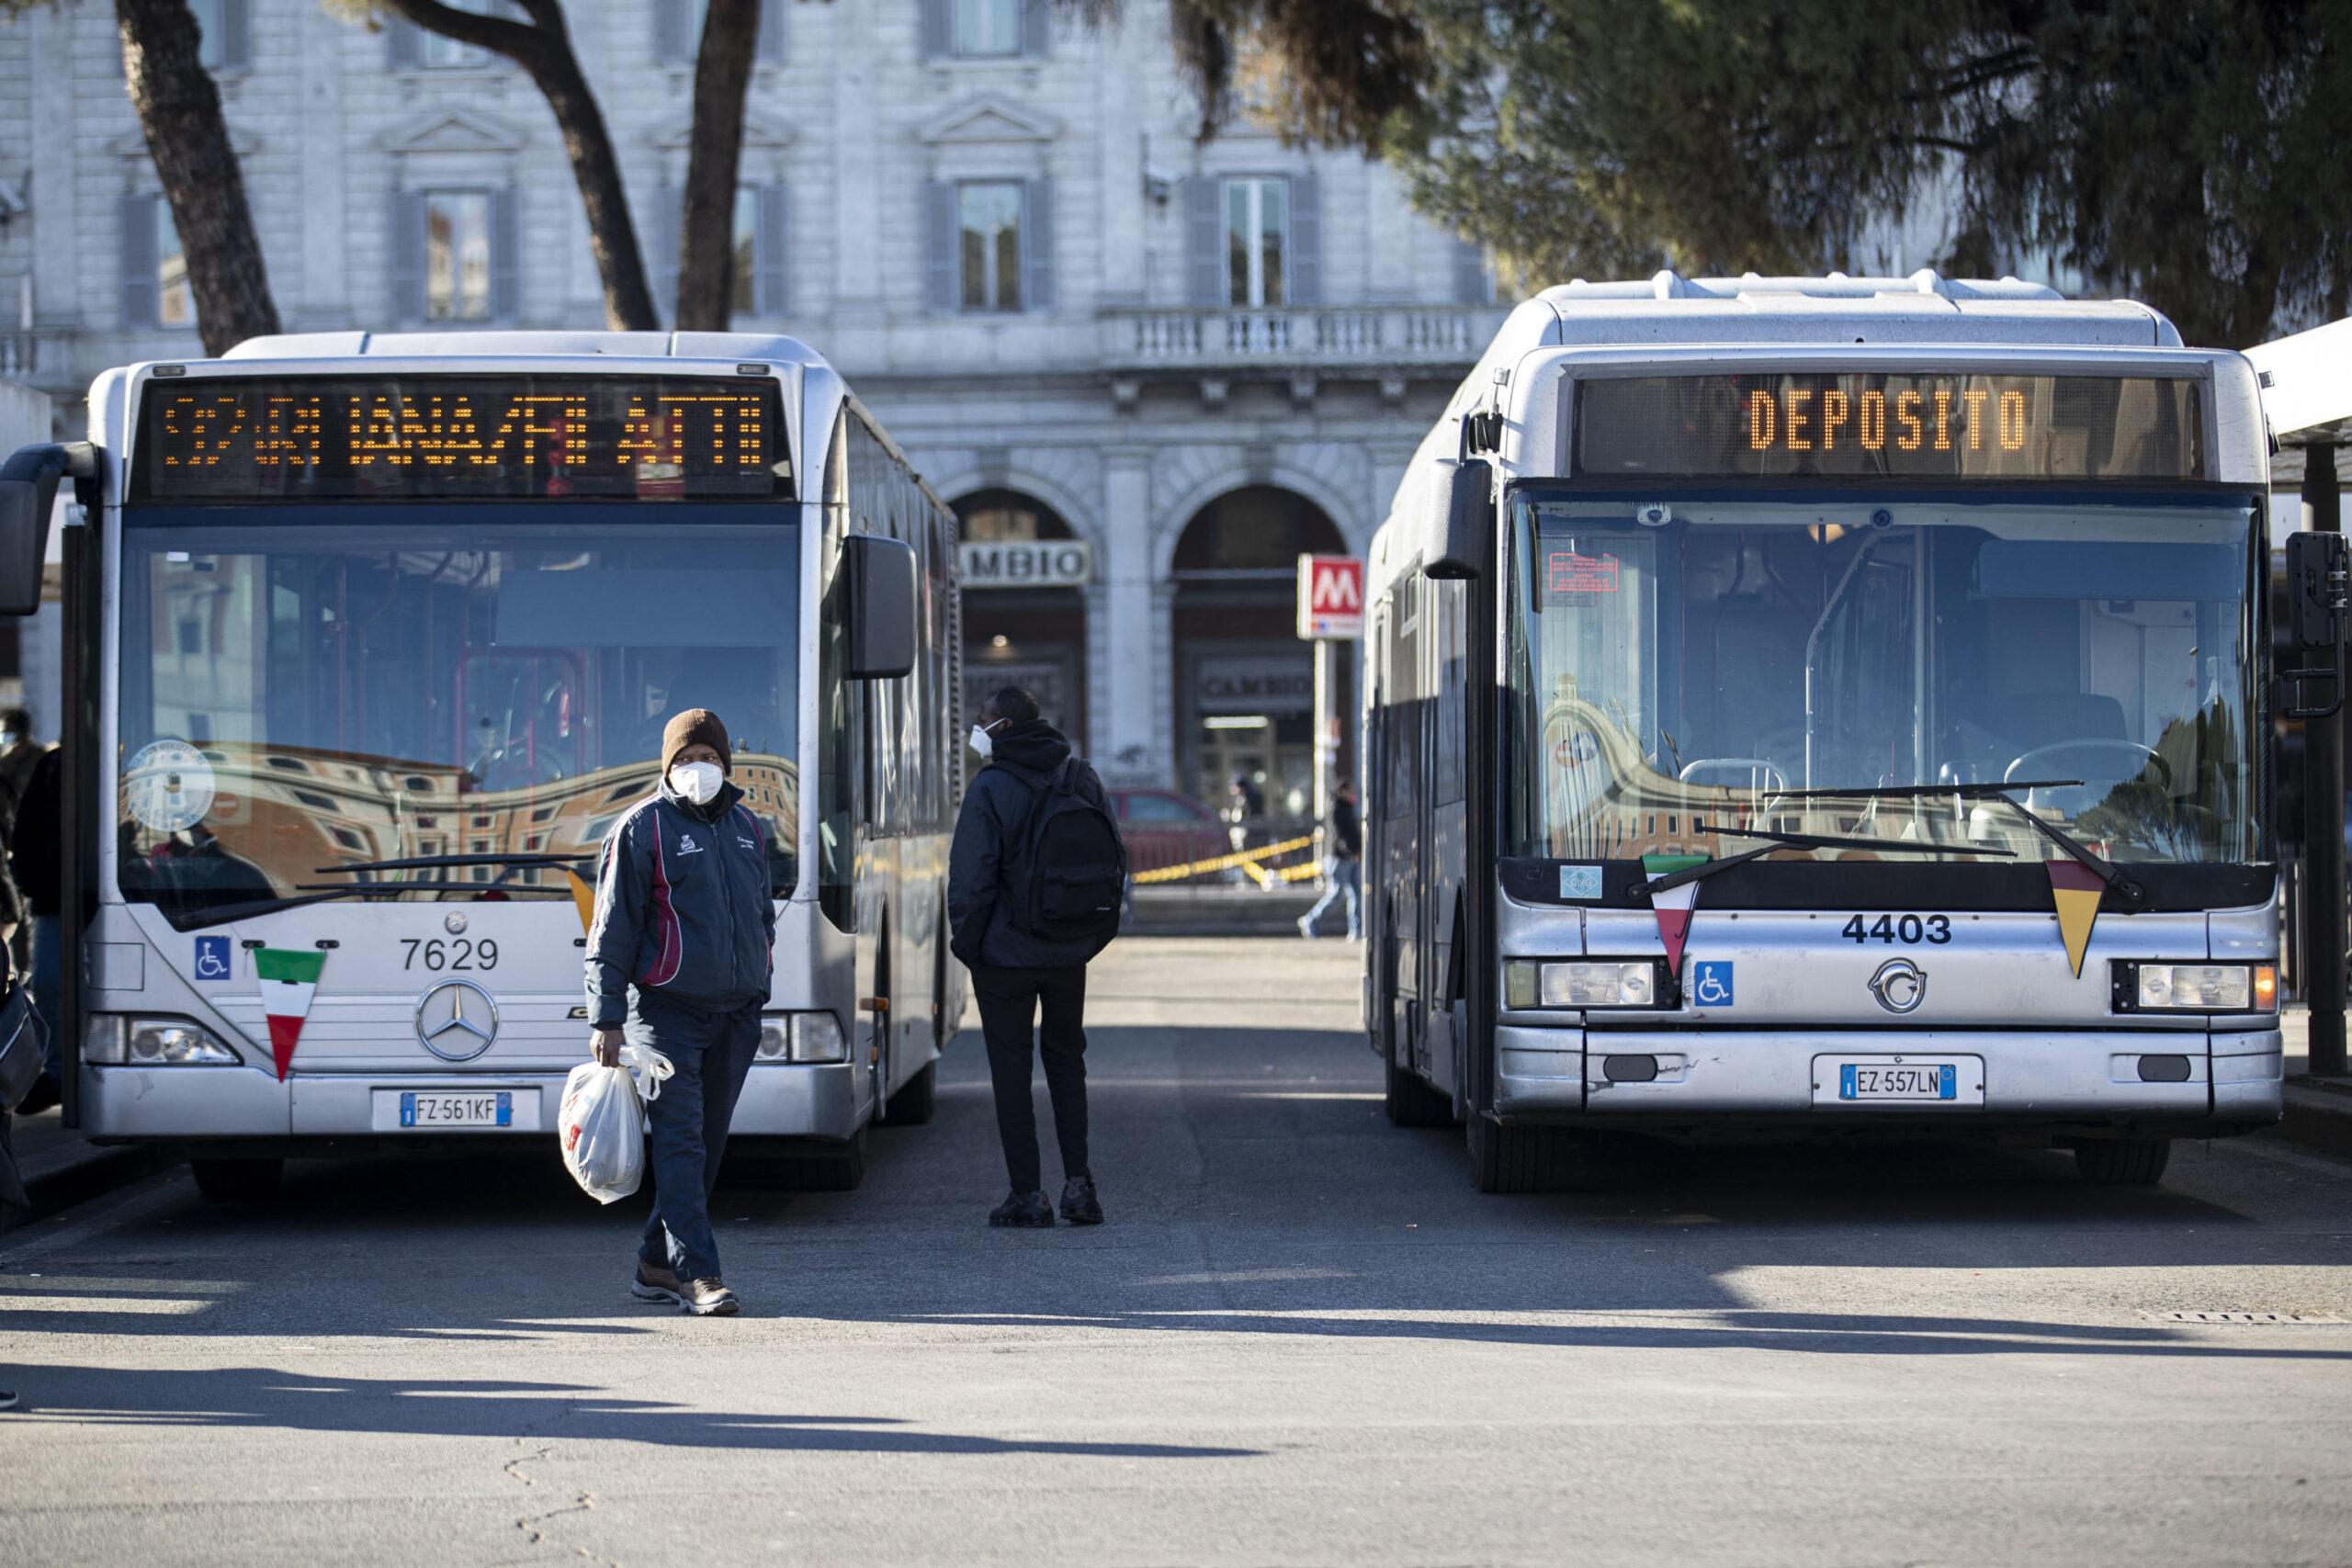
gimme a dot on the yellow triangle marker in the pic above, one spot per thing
(2075, 890)
(584, 901)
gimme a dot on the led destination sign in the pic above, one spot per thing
(461, 438)
(1882, 424)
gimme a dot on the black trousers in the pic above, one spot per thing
(1011, 1002)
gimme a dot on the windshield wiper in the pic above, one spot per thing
(317, 893)
(2123, 887)
(431, 863)
(1779, 841)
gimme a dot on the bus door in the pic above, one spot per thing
(1405, 871)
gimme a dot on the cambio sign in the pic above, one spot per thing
(1027, 563)
(1330, 597)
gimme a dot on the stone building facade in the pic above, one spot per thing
(1148, 371)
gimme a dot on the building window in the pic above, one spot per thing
(989, 227)
(415, 48)
(744, 251)
(175, 301)
(220, 33)
(1257, 242)
(984, 27)
(456, 255)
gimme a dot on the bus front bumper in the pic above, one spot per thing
(2031, 1078)
(194, 1104)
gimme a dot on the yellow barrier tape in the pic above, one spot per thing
(1247, 859)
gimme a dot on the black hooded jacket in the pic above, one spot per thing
(983, 868)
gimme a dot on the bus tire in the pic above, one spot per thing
(237, 1180)
(916, 1100)
(839, 1172)
(1522, 1159)
(1411, 1103)
(2122, 1162)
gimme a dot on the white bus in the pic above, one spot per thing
(1826, 705)
(371, 640)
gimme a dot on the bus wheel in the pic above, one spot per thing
(1522, 1159)
(237, 1180)
(840, 1172)
(1411, 1103)
(2122, 1162)
(916, 1100)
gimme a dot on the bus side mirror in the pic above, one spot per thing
(1469, 523)
(24, 539)
(883, 606)
(2315, 585)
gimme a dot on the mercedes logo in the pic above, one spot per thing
(1900, 985)
(457, 1020)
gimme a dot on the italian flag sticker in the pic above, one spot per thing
(288, 978)
(1674, 907)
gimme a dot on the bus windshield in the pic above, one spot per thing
(304, 696)
(1699, 659)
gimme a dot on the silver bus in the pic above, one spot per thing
(370, 640)
(1798, 706)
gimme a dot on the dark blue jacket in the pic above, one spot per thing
(682, 907)
(983, 866)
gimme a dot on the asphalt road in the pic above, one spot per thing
(1302, 1338)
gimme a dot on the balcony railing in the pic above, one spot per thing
(1364, 336)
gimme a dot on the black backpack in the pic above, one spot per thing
(1072, 874)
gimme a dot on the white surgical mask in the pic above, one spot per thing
(982, 742)
(698, 782)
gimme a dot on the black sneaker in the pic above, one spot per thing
(1025, 1210)
(1080, 1206)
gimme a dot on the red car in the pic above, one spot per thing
(1163, 829)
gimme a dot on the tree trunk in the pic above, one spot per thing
(179, 111)
(543, 48)
(730, 33)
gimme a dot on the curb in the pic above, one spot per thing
(89, 1172)
(2318, 1115)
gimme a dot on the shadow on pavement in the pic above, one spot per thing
(266, 1397)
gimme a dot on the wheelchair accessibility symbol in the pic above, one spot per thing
(1711, 984)
(212, 960)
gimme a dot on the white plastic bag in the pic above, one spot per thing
(601, 1123)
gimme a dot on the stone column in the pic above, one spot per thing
(1128, 656)
(325, 293)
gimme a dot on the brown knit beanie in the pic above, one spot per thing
(692, 728)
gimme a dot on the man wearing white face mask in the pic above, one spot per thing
(680, 955)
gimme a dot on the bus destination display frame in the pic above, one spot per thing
(476, 436)
(1881, 423)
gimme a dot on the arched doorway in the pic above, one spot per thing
(1244, 684)
(1024, 576)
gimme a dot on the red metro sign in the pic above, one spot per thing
(1330, 597)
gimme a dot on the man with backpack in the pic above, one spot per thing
(1034, 885)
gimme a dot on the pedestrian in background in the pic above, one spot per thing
(1342, 864)
(1035, 826)
(680, 960)
(19, 754)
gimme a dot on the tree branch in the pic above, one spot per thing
(519, 42)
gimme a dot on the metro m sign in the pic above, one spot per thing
(1330, 597)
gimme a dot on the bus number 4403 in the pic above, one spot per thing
(1908, 928)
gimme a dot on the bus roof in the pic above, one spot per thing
(1922, 308)
(734, 347)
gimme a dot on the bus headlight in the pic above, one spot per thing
(1607, 983)
(156, 1043)
(801, 1037)
(2196, 988)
